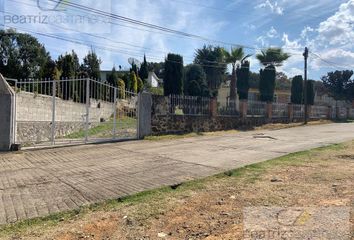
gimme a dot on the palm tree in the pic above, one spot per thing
(211, 59)
(272, 57)
(234, 57)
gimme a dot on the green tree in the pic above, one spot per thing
(243, 77)
(133, 82)
(121, 89)
(69, 65)
(112, 78)
(195, 81)
(233, 57)
(339, 84)
(267, 84)
(22, 56)
(270, 59)
(140, 85)
(254, 80)
(310, 93)
(144, 71)
(173, 80)
(91, 65)
(297, 86)
(212, 60)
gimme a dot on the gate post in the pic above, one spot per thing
(54, 89)
(87, 109)
(115, 113)
(144, 114)
(7, 115)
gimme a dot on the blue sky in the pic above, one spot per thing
(325, 26)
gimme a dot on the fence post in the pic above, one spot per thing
(269, 110)
(7, 116)
(329, 112)
(309, 111)
(290, 112)
(87, 109)
(243, 108)
(213, 107)
(114, 113)
(54, 93)
(348, 113)
(144, 114)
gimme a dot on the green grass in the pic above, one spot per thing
(105, 129)
(154, 199)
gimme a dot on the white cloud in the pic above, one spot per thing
(305, 32)
(338, 29)
(272, 33)
(274, 7)
(338, 58)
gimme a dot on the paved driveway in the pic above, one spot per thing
(38, 183)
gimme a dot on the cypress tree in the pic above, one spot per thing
(297, 90)
(173, 80)
(310, 92)
(243, 77)
(267, 84)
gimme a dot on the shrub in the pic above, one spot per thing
(140, 85)
(121, 89)
(133, 82)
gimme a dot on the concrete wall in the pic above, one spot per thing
(6, 113)
(34, 116)
(34, 108)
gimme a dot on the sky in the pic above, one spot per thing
(326, 27)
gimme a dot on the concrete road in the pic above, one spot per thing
(38, 183)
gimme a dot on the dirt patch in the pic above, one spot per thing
(214, 208)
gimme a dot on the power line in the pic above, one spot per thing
(332, 64)
(149, 25)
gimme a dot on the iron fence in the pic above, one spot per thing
(228, 108)
(299, 110)
(280, 110)
(351, 113)
(71, 111)
(188, 105)
(319, 112)
(342, 112)
(256, 109)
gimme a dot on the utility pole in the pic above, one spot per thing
(306, 55)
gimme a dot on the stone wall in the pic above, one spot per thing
(164, 123)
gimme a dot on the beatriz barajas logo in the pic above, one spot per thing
(58, 15)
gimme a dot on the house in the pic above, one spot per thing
(104, 74)
(280, 96)
(153, 80)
